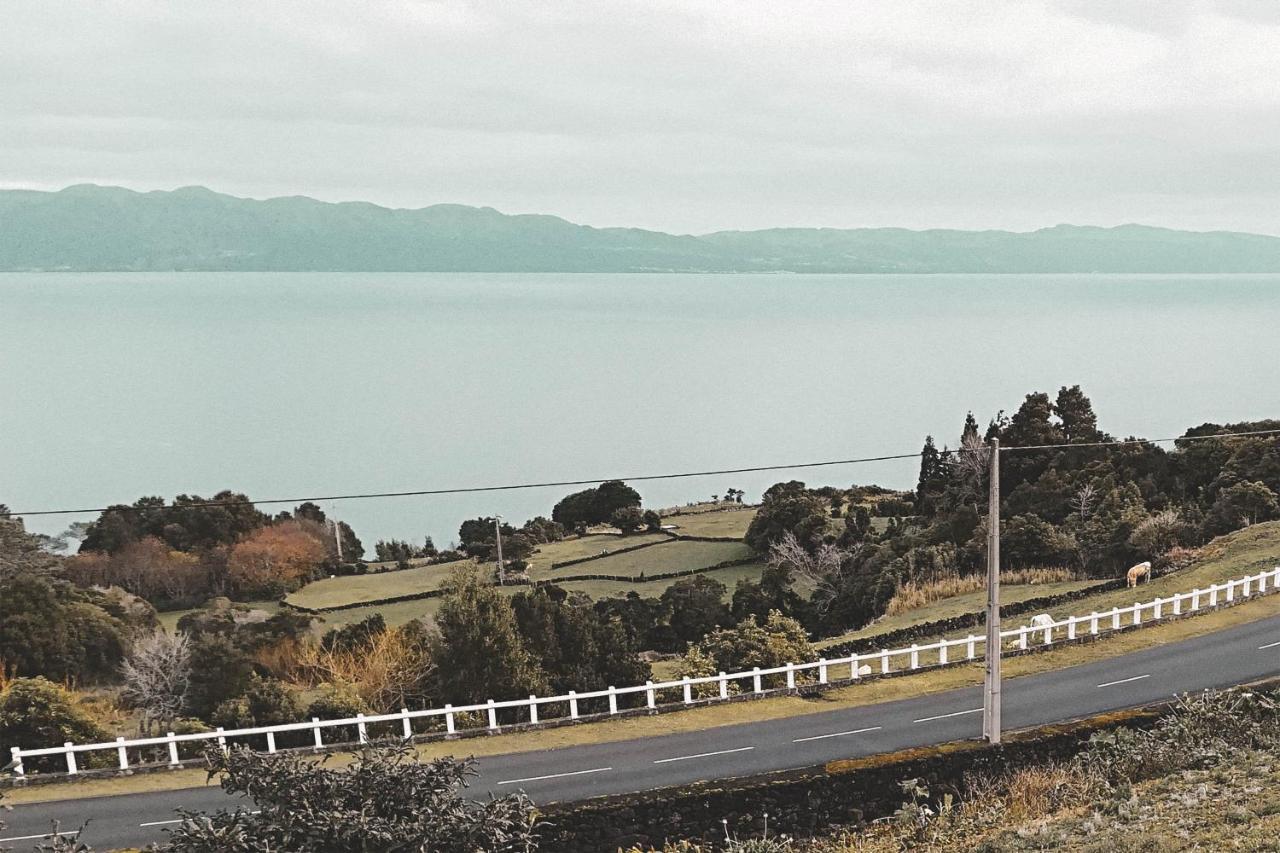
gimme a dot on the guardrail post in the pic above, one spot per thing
(650, 698)
(884, 661)
(315, 730)
(1231, 591)
(71, 759)
(1156, 609)
(791, 676)
(822, 670)
(613, 699)
(493, 713)
(1048, 635)
(1137, 613)
(915, 656)
(533, 709)
(853, 667)
(362, 734)
(1071, 627)
(1093, 623)
(1213, 595)
(942, 652)
(271, 742)
(222, 740)
(122, 753)
(756, 678)
(448, 720)
(1115, 619)
(688, 690)
(1262, 582)
(1022, 638)
(1195, 599)
(173, 749)
(1177, 604)
(408, 727)
(970, 641)
(16, 755)
(724, 687)
(1246, 589)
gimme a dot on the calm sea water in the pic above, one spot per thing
(119, 385)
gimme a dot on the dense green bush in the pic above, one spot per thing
(35, 713)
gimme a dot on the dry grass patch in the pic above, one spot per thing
(913, 595)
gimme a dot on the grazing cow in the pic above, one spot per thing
(1041, 620)
(1137, 573)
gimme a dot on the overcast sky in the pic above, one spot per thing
(683, 116)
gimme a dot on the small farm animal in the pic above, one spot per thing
(1138, 572)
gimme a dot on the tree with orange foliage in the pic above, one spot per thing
(276, 559)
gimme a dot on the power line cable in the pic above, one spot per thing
(650, 477)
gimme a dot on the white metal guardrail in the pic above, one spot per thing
(447, 720)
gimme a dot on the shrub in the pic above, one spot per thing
(383, 800)
(35, 713)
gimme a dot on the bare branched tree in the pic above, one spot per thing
(156, 674)
(824, 567)
(970, 462)
(1083, 500)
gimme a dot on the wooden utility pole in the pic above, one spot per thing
(991, 691)
(337, 536)
(497, 539)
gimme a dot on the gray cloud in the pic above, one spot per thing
(690, 115)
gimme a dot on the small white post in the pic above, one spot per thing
(649, 694)
(222, 740)
(533, 710)
(613, 699)
(1093, 623)
(942, 652)
(915, 656)
(123, 754)
(822, 670)
(688, 691)
(71, 759)
(408, 727)
(1213, 595)
(724, 687)
(853, 668)
(756, 678)
(884, 661)
(1246, 589)
(1115, 618)
(16, 754)
(362, 733)
(1137, 613)
(969, 644)
(1071, 627)
(1156, 610)
(791, 676)
(1231, 591)
(271, 742)
(573, 704)
(1177, 604)
(1022, 638)
(1262, 582)
(1048, 635)
(448, 720)
(315, 730)
(1195, 599)
(173, 749)
(493, 713)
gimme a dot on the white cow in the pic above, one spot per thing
(1042, 620)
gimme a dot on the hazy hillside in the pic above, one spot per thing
(107, 228)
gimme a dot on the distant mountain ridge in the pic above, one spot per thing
(92, 228)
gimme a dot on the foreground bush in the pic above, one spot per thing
(383, 801)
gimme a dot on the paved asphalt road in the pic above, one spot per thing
(1234, 656)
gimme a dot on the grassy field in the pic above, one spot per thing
(584, 546)
(729, 524)
(958, 605)
(331, 592)
(660, 559)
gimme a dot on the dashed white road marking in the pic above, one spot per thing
(32, 837)
(161, 822)
(1269, 646)
(944, 716)
(837, 734)
(703, 755)
(554, 776)
(1124, 680)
